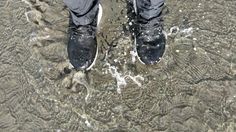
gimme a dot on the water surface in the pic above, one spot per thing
(193, 88)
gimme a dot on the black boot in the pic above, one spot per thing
(148, 36)
(82, 45)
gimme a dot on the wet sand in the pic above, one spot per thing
(193, 88)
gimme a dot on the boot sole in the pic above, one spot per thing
(99, 17)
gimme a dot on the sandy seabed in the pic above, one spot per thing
(193, 88)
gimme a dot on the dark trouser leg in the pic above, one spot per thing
(83, 11)
(149, 9)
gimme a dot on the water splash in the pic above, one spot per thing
(183, 32)
(121, 79)
(80, 78)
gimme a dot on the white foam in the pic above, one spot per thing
(88, 124)
(120, 79)
(33, 39)
(185, 32)
(136, 79)
(80, 78)
(26, 2)
(172, 30)
(133, 55)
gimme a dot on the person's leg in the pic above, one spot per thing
(149, 9)
(82, 44)
(83, 12)
(148, 30)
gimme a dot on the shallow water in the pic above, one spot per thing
(193, 88)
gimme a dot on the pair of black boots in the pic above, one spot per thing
(148, 37)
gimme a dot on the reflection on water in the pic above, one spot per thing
(191, 89)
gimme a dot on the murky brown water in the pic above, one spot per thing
(193, 88)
